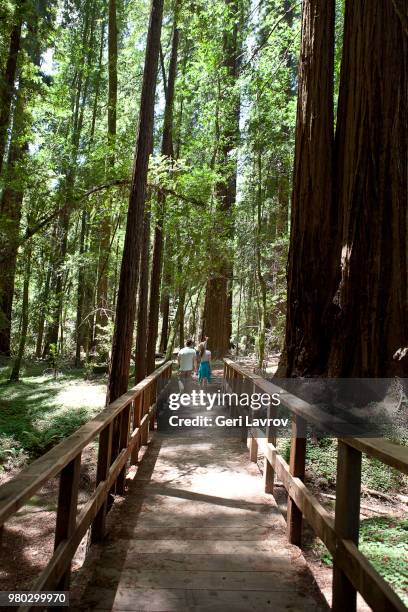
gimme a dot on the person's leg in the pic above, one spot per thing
(188, 382)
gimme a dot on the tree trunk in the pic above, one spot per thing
(141, 336)
(218, 299)
(173, 331)
(165, 308)
(60, 251)
(166, 150)
(8, 78)
(102, 317)
(10, 213)
(80, 291)
(61, 246)
(15, 373)
(371, 188)
(261, 280)
(313, 223)
(43, 305)
(126, 301)
(182, 303)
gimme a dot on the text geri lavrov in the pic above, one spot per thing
(252, 401)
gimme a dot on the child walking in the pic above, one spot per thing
(204, 371)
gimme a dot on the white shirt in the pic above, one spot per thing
(186, 358)
(206, 356)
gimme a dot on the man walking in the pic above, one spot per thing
(187, 360)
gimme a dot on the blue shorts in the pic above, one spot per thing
(204, 371)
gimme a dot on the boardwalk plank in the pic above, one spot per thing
(197, 532)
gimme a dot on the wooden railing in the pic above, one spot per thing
(352, 572)
(122, 427)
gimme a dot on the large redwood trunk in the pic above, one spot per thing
(218, 298)
(313, 221)
(141, 332)
(10, 212)
(166, 150)
(126, 300)
(371, 167)
(218, 326)
(8, 78)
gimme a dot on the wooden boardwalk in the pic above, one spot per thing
(197, 532)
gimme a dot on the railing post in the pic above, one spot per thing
(123, 442)
(102, 471)
(268, 472)
(153, 401)
(144, 435)
(252, 443)
(297, 468)
(137, 416)
(347, 520)
(67, 510)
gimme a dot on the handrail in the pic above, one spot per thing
(120, 438)
(352, 572)
(390, 453)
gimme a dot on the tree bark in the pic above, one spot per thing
(80, 292)
(218, 298)
(313, 222)
(41, 318)
(15, 373)
(7, 80)
(371, 188)
(102, 317)
(141, 335)
(167, 151)
(10, 213)
(165, 310)
(261, 281)
(126, 301)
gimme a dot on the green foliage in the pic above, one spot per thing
(38, 412)
(384, 541)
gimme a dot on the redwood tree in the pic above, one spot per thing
(217, 321)
(313, 221)
(166, 150)
(8, 78)
(105, 227)
(141, 328)
(371, 188)
(126, 300)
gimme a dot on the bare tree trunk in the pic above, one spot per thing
(102, 317)
(15, 373)
(166, 150)
(173, 331)
(182, 303)
(165, 298)
(313, 222)
(7, 80)
(371, 188)
(218, 299)
(126, 301)
(261, 280)
(141, 335)
(10, 211)
(80, 291)
(43, 306)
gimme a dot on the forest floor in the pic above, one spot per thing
(39, 411)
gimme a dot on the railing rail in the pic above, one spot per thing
(122, 427)
(352, 571)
